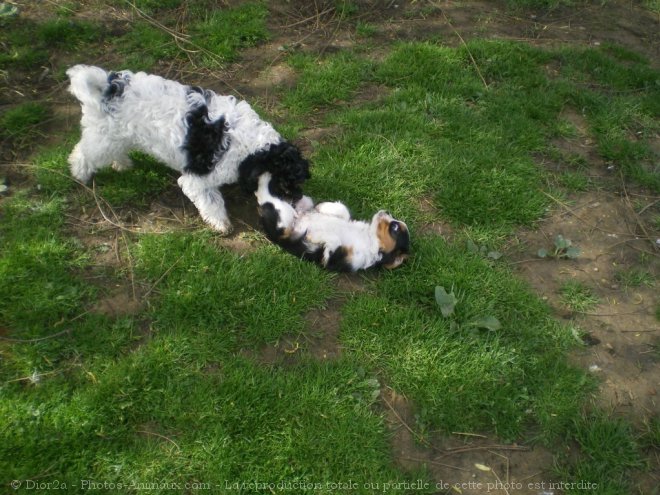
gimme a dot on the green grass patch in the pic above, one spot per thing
(609, 449)
(94, 405)
(28, 43)
(225, 31)
(129, 424)
(144, 46)
(214, 35)
(226, 297)
(151, 6)
(51, 168)
(437, 134)
(635, 277)
(324, 82)
(460, 377)
(137, 186)
(577, 297)
(20, 125)
(37, 266)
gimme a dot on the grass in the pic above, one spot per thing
(224, 32)
(577, 297)
(635, 277)
(20, 125)
(176, 390)
(608, 445)
(462, 379)
(213, 39)
(28, 43)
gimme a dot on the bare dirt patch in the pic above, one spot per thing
(465, 462)
(319, 338)
(622, 328)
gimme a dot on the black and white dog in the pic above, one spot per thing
(327, 235)
(211, 139)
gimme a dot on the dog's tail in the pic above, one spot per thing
(88, 84)
(286, 165)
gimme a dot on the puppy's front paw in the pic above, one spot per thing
(121, 166)
(222, 227)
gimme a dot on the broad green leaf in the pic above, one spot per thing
(446, 301)
(573, 252)
(561, 242)
(489, 322)
(495, 255)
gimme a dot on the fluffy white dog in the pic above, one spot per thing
(327, 235)
(211, 139)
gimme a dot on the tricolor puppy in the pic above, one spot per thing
(326, 234)
(211, 139)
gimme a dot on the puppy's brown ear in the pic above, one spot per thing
(397, 262)
(386, 242)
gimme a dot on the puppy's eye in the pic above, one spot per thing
(394, 228)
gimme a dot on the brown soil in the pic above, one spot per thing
(622, 329)
(319, 339)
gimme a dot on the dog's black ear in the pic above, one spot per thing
(115, 87)
(205, 140)
(285, 163)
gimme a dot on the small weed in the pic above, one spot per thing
(447, 302)
(346, 8)
(652, 5)
(650, 437)
(563, 248)
(492, 254)
(609, 450)
(635, 277)
(365, 29)
(577, 296)
(574, 181)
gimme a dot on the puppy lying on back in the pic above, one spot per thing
(326, 234)
(211, 139)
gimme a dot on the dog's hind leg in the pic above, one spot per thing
(334, 209)
(93, 153)
(208, 201)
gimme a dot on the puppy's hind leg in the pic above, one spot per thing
(334, 209)
(208, 201)
(94, 152)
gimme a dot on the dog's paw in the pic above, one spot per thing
(222, 227)
(304, 204)
(121, 166)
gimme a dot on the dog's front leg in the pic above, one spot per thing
(208, 200)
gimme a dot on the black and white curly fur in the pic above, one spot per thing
(327, 235)
(211, 139)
